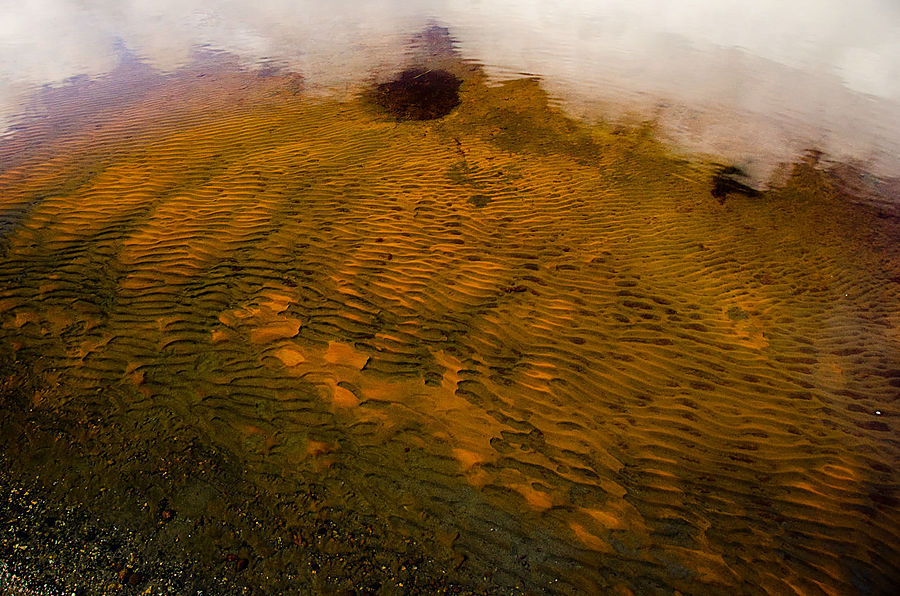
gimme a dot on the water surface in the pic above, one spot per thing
(250, 316)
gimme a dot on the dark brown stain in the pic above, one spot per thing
(727, 181)
(419, 94)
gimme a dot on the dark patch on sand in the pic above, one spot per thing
(728, 180)
(419, 94)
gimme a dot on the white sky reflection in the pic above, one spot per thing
(755, 81)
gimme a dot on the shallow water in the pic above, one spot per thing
(755, 83)
(500, 350)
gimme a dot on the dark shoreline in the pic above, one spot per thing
(170, 516)
(49, 549)
(50, 546)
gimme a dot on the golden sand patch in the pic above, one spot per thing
(163, 322)
(710, 567)
(538, 499)
(284, 329)
(340, 396)
(219, 335)
(467, 459)
(136, 377)
(322, 453)
(617, 514)
(344, 398)
(317, 448)
(137, 281)
(746, 324)
(290, 356)
(46, 289)
(839, 473)
(345, 355)
(451, 366)
(8, 303)
(23, 317)
(276, 302)
(589, 540)
(233, 318)
(90, 345)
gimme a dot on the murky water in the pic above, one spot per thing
(270, 308)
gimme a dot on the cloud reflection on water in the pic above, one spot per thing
(726, 76)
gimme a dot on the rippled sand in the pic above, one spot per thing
(540, 349)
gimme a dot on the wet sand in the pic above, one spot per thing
(300, 345)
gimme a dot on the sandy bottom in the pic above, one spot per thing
(539, 354)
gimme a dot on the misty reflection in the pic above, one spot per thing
(756, 83)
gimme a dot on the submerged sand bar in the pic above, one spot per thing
(539, 354)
